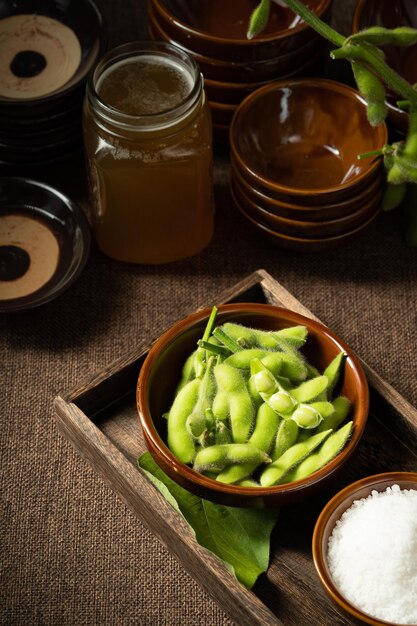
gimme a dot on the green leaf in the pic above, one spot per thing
(239, 537)
(259, 19)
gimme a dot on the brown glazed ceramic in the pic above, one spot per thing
(302, 138)
(218, 29)
(161, 371)
(257, 71)
(302, 244)
(319, 229)
(401, 58)
(372, 187)
(327, 520)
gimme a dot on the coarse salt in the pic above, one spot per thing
(372, 555)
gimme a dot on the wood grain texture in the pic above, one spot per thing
(99, 418)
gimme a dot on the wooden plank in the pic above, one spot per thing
(99, 417)
(153, 510)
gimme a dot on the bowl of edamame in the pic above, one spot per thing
(251, 404)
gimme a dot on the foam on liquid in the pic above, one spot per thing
(145, 85)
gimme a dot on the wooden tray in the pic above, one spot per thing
(99, 419)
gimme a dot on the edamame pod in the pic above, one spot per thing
(306, 416)
(180, 441)
(378, 35)
(372, 89)
(294, 335)
(286, 437)
(188, 371)
(230, 381)
(341, 408)
(334, 370)
(243, 358)
(197, 421)
(330, 448)
(263, 435)
(216, 458)
(275, 473)
(310, 389)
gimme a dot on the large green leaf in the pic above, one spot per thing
(239, 537)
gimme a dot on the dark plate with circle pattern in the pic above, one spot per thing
(28, 202)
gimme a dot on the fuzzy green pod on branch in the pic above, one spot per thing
(373, 91)
(380, 36)
(259, 19)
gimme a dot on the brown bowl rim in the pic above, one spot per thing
(305, 241)
(331, 85)
(375, 182)
(373, 203)
(321, 524)
(222, 63)
(204, 482)
(223, 41)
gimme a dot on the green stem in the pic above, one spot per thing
(315, 22)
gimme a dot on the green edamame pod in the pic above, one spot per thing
(243, 358)
(221, 409)
(248, 482)
(197, 421)
(216, 458)
(241, 410)
(180, 442)
(306, 416)
(310, 389)
(294, 367)
(373, 91)
(341, 409)
(241, 334)
(275, 473)
(263, 435)
(328, 450)
(323, 407)
(286, 437)
(334, 370)
(270, 390)
(378, 35)
(393, 196)
(222, 434)
(295, 335)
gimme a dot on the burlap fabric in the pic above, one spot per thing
(71, 552)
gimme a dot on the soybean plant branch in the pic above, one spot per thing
(315, 22)
(371, 57)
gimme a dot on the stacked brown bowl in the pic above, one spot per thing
(233, 66)
(295, 172)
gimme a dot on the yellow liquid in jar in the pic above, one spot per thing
(152, 187)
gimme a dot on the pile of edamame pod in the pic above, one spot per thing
(250, 410)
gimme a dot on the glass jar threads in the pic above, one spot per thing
(148, 141)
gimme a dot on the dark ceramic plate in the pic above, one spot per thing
(44, 243)
(86, 21)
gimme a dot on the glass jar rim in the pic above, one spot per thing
(163, 118)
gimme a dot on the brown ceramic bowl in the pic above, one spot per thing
(403, 59)
(257, 71)
(218, 29)
(160, 374)
(302, 229)
(372, 188)
(222, 113)
(301, 138)
(302, 244)
(327, 520)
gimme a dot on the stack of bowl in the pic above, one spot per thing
(214, 33)
(295, 172)
(45, 55)
(403, 59)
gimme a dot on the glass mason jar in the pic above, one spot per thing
(148, 142)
